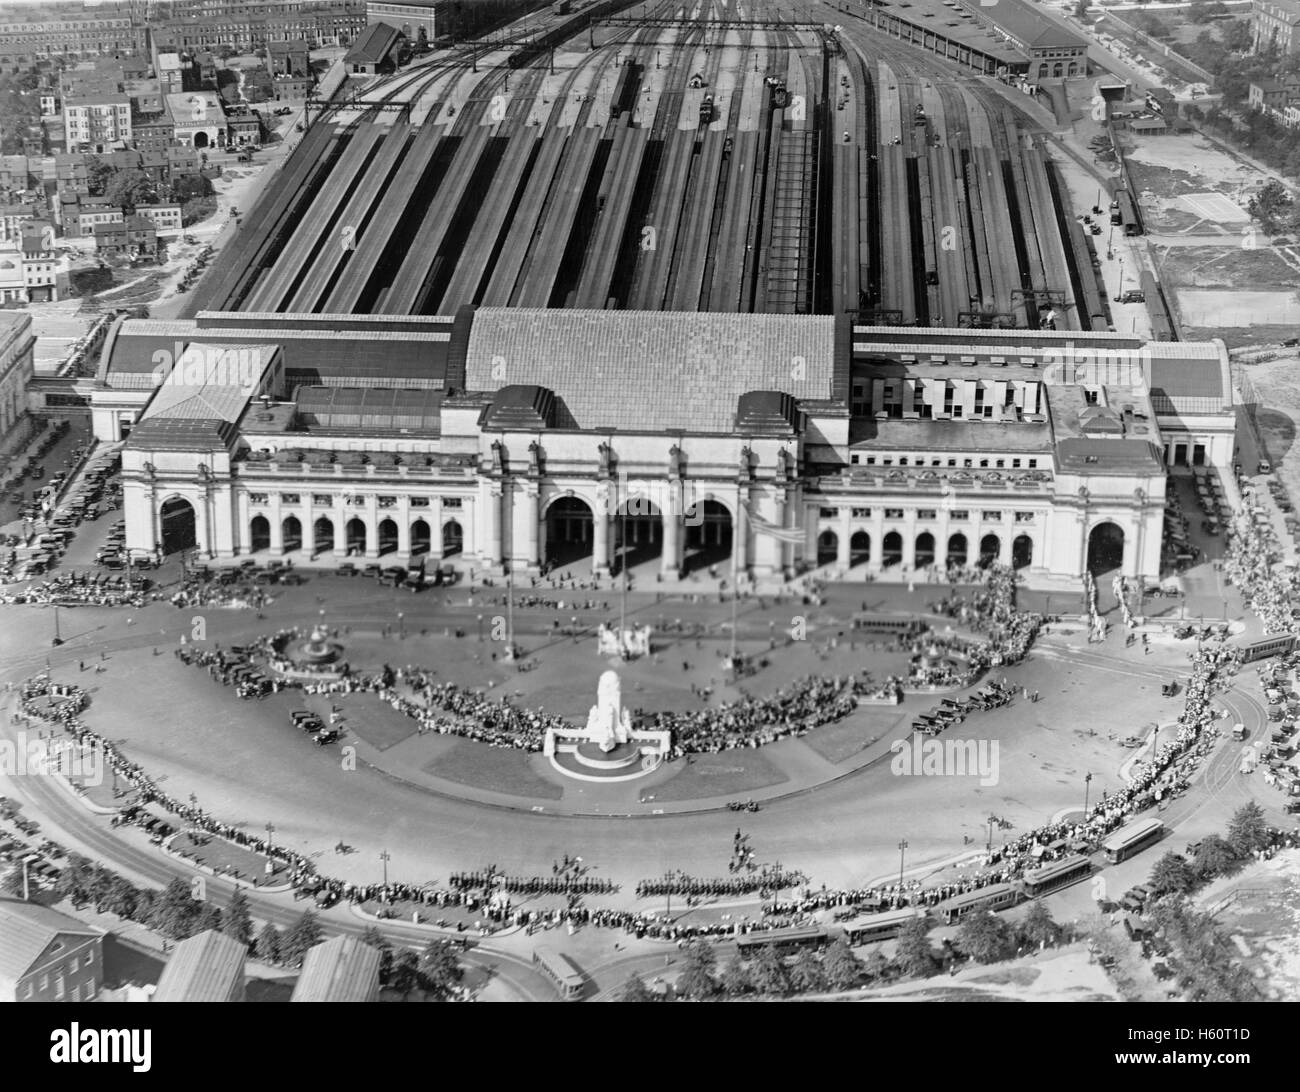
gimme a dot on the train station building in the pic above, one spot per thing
(534, 438)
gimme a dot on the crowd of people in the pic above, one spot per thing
(76, 589)
(1251, 564)
(767, 879)
(197, 590)
(565, 884)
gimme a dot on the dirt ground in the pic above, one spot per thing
(1275, 386)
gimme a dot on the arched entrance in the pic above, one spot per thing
(356, 536)
(421, 539)
(453, 538)
(1022, 552)
(568, 531)
(387, 537)
(291, 533)
(259, 534)
(924, 549)
(957, 549)
(828, 548)
(990, 550)
(176, 519)
(708, 535)
(892, 553)
(323, 535)
(859, 548)
(638, 533)
(1105, 548)
(200, 139)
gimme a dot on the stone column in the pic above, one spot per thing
(670, 557)
(339, 518)
(532, 521)
(403, 521)
(277, 526)
(492, 520)
(600, 531)
(844, 532)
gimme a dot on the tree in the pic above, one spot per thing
(876, 967)
(985, 937)
(1237, 35)
(381, 944)
(843, 968)
(129, 189)
(440, 970)
(914, 956)
(406, 971)
(696, 980)
(208, 917)
(767, 973)
(807, 975)
(98, 175)
(635, 991)
(268, 944)
(1247, 830)
(305, 934)
(1214, 857)
(12, 882)
(735, 979)
(1037, 927)
(121, 897)
(74, 881)
(1171, 875)
(175, 911)
(239, 922)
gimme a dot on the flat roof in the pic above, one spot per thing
(964, 28)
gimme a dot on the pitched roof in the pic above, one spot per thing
(205, 967)
(342, 969)
(211, 382)
(374, 45)
(27, 929)
(647, 371)
(364, 409)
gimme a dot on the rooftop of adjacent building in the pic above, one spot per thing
(204, 967)
(27, 931)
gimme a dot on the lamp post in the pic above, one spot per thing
(401, 625)
(385, 856)
(902, 853)
(1087, 784)
(988, 846)
(270, 836)
(480, 629)
(58, 638)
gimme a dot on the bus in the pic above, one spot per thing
(782, 941)
(998, 896)
(564, 976)
(874, 927)
(1054, 876)
(1133, 838)
(904, 625)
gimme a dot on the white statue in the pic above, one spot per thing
(608, 723)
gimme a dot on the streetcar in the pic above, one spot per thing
(782, 941)
(1132, 839)
(902, 625)
(1054, 876)
(998, 896)
(560, 969)
(876, 927)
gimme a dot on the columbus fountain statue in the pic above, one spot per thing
(610, 745)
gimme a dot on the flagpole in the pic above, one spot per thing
(735, 578)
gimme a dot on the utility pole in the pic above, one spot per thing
(902, 853)
(1087, 784)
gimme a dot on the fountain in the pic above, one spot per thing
(610, 747)
(317, 656)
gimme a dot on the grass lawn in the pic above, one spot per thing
(499, 769)
(729, 773)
